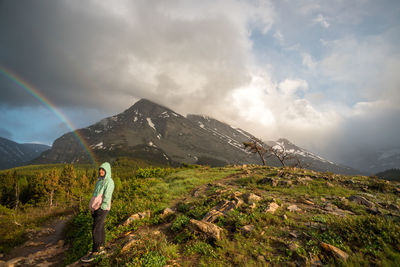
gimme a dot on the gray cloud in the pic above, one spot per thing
(5, 133)
(321, 87)
(77, 53)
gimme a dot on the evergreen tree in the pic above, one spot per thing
(67, 178)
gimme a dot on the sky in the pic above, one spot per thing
(323, 74)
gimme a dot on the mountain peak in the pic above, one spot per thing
(284, 141)
(147, 108)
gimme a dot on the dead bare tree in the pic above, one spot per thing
(281, 153)
(284, 156)
(255, 145)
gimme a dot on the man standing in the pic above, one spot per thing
(99, 206)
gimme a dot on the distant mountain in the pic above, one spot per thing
(13, 154)
(371, 162)
(156, 133)
(310, 160)
(391, 175)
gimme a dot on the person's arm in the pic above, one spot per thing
(107, 194)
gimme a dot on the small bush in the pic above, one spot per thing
(153, 172)
(153, 259)
(180, 222)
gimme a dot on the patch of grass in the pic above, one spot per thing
(13, 224)
(180, 222)
(201, 248)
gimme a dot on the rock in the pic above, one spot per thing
(335, 251)
(209, 229)
(272, 207)
(222, 208)
(308, 179)
(251, 198)
(136, 216)
(129, 244)
(308, 202)
(293, 246)
(167, 212)
(236, 194)
(293, 208)
(269, 180)
(315, 261)
(374, 210)
(261, 259)
(330, 207)
(294, 234)
(14, 262)
(33, 244)
(247, 228)
(344, 201)
(361, 201)
(60, 243)
(253, 206)
(287, 183)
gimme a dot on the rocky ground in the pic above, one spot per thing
(44, 247)
(268, 216)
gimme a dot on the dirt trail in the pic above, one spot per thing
(45, 247)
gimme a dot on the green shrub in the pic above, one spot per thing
(153, 259)
(200, 248)
(180, 222)
(153, 172)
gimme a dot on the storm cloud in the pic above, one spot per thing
(323, 75)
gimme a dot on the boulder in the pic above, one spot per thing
(167, 212)
(293, 208)
(251, 198)
(269, 180)
(136, 216)
(209, 229)
(222, 208)
(247, 228)
(308, 202)
(272, 207)
(287, 183)
(361, 201)
(338, 253)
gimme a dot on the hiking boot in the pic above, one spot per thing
(92, 256)
(101, 251)
(89, 257)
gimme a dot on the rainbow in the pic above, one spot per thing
(47, 103)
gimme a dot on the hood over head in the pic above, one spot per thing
(107, 167)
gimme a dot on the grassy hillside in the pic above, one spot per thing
(247, 216)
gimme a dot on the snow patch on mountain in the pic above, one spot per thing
(98, 146)
(164, 115)
(151, 124)
(243, 133)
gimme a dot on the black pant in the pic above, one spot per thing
(99, 234)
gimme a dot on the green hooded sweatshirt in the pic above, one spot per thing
(103, 190)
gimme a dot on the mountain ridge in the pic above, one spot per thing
(153, 132)
(13, 154)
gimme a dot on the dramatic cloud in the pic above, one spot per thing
(321, 73)
(175, 52)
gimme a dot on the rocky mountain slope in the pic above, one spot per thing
(251, 216)
(13, 154)
(158, 134)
